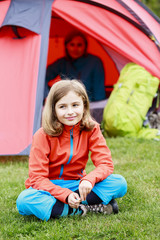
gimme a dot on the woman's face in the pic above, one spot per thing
(76, 47)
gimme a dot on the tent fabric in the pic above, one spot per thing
(28, 14)
(25, 38)
(4, 8)
(17, 109)
(122, 37)
(22, 87)
(149, 18)
(143, 23)
(42, 66)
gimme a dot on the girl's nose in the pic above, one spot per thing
(70, 111)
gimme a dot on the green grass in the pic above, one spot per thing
(139, 217)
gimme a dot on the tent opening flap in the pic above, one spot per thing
(18, 88)
(56, 49)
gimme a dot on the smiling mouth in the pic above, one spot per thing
(70, 118)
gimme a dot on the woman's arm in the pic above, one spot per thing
(98, 81)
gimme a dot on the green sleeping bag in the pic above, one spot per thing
(130, 101)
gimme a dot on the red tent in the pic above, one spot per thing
(118, 32)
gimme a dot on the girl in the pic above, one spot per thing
(58, 184)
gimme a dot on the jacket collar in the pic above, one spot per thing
(68, 129)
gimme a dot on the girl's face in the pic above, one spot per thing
(76, 47)
(69, 109)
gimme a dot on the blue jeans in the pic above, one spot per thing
(40, 203)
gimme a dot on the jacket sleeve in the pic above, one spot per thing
(100, 156)
(39, 168)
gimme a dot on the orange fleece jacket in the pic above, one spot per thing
(65, 157)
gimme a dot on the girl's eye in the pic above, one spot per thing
(75, 105)
(62, 106)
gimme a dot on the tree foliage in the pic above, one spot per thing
(154, 5)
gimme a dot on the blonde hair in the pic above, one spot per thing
(50, 123)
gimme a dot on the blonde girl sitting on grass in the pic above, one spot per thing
(58, 184)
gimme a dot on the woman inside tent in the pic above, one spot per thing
(78, 64)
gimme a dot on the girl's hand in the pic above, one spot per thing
(74, 200)
(85, 188)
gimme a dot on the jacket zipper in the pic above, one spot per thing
(71, 153)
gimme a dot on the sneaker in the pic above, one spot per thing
(97, 208)
(84, 209)
(114, 205)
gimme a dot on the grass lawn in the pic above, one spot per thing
(139, 217)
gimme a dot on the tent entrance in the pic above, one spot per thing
(58, 31)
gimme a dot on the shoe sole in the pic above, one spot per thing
(105, 209)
